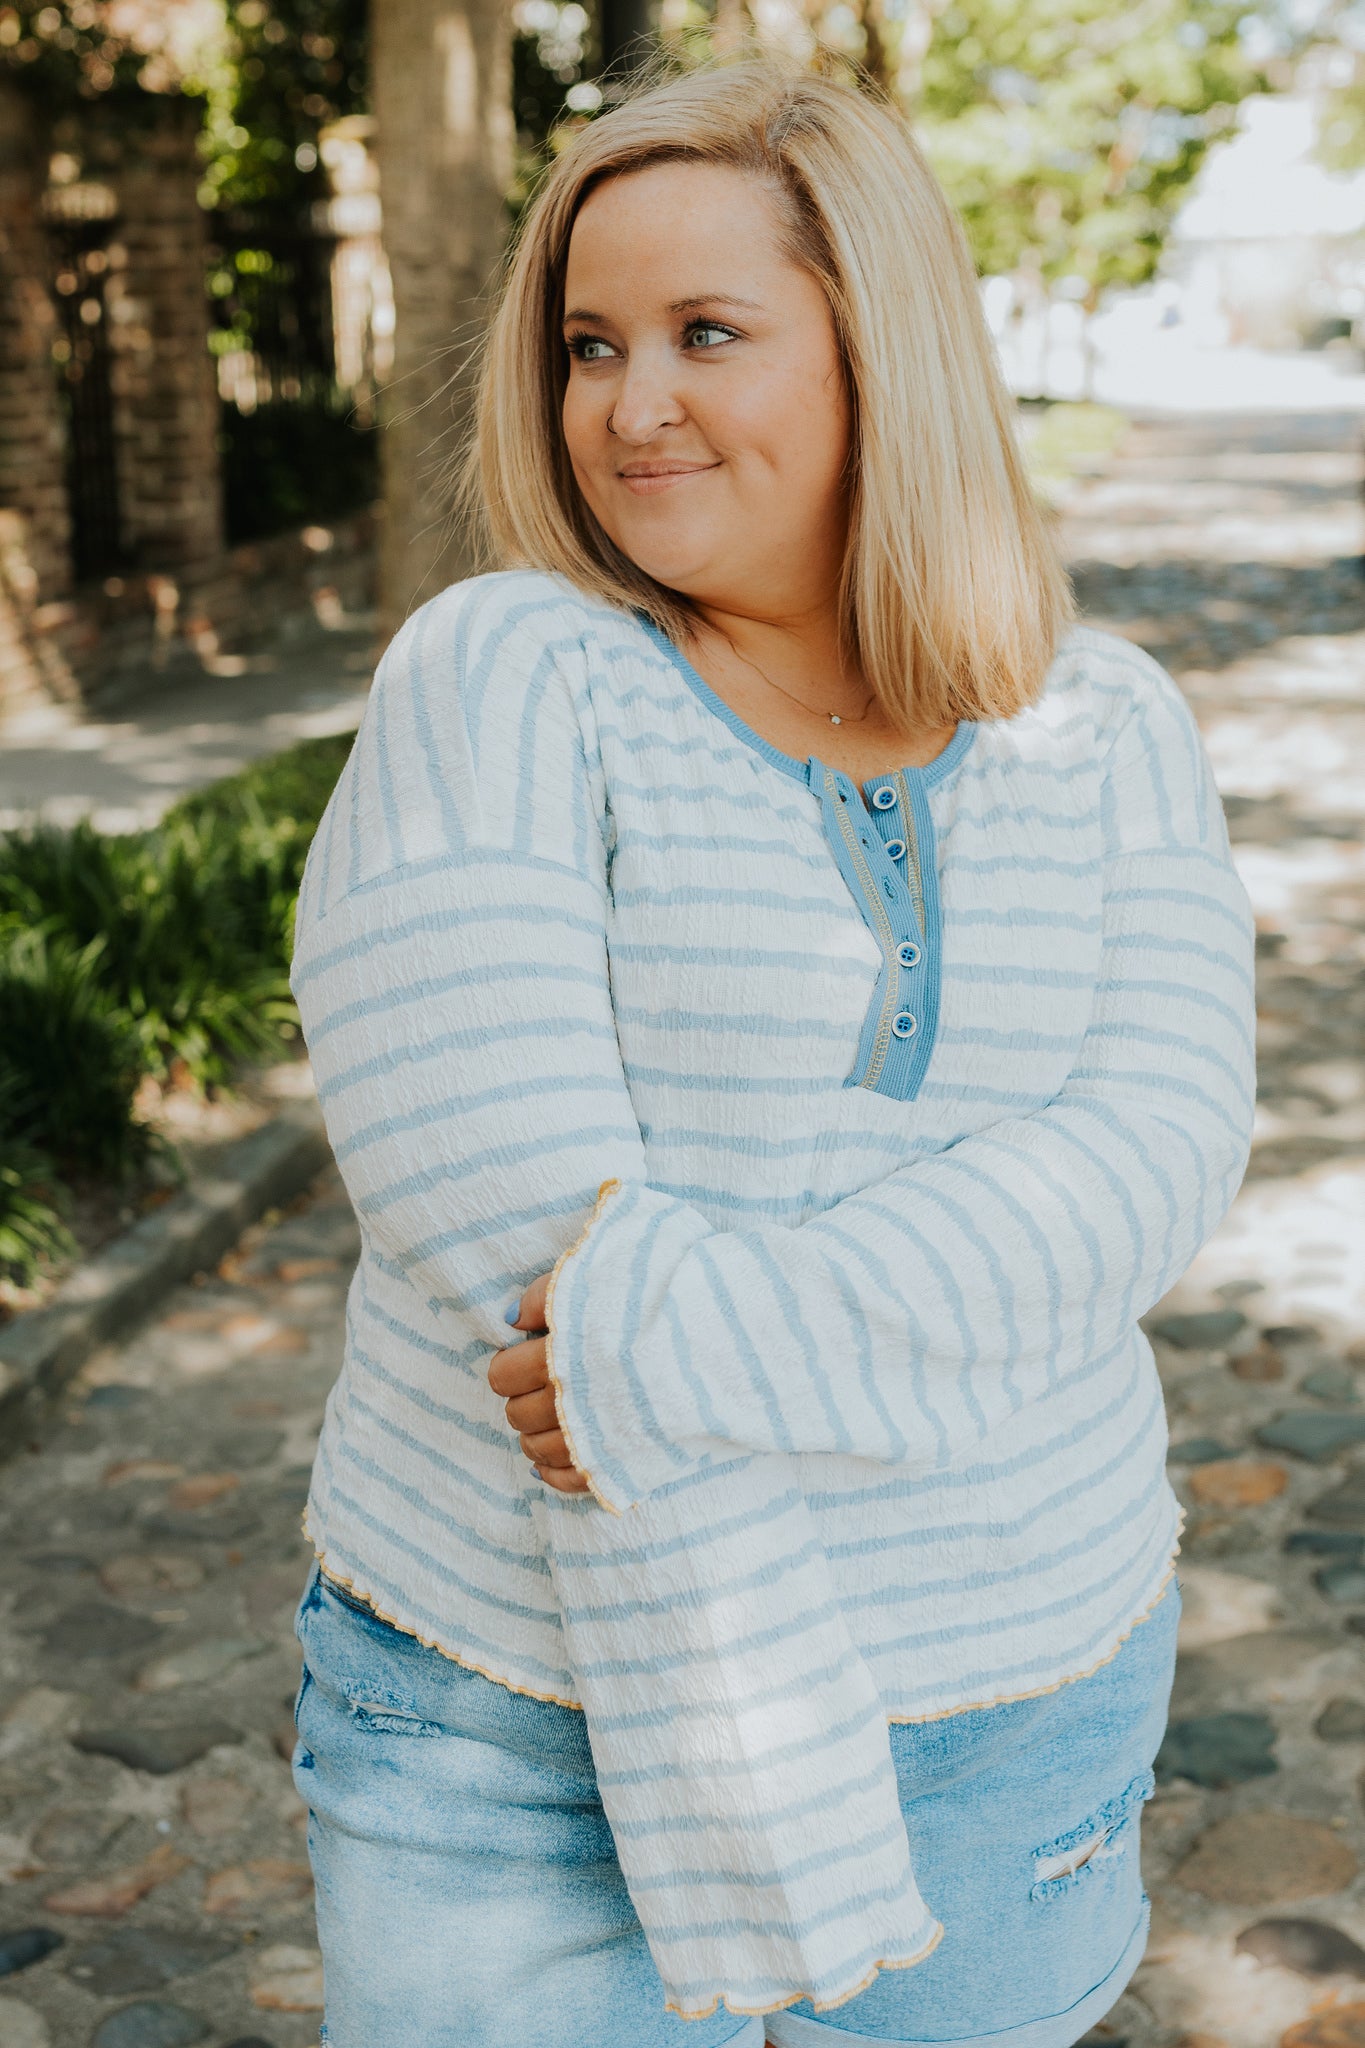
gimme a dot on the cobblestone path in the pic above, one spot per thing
(153, 1560)
(153, 1877)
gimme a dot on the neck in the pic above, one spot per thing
(801, 651)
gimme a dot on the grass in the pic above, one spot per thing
(162, 953)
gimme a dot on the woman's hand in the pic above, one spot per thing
(521, 1376)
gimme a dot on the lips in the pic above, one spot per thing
(644, 479)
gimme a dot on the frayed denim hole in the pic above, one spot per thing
(1104, 1837)
(382, 1719)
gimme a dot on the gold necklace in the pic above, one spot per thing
(834, 717)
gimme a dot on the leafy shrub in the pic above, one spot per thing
(172, 950)
(31, 1227)
(292, 786)
(192, 920)
(69, 1063)
(120, 956)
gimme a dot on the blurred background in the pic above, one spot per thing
(247, 244)
(246, 249)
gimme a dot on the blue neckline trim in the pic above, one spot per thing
(884, 1063)
(800, 771)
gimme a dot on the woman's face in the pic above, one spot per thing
(706, 414)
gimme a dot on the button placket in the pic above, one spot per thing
(874, 823)
(885, 800)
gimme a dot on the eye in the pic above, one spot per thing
(590, 348)
(707, 334)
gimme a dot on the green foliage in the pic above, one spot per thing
(1068, 131)
(1343, 141)
(120, 956)
(91, 50)
(293, 66)
(69, 1062)
(31, 1226)
(1342, 144)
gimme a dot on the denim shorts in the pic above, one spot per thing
(468, 1893)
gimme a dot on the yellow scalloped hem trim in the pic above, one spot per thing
(604, 1194)
(894, 1720)
(759, 2012)
(1007, 1699)
(551, 1699)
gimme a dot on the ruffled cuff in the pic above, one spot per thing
(612, 1370)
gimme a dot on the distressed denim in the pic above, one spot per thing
(469, 1896)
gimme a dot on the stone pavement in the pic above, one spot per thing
(154, 1884)
(1232, 549)
(153, 1880)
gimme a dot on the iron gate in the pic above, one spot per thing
(82, 352)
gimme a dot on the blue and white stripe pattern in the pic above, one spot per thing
(849, 1342)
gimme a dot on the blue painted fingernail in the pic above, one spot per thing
(510, 1316)
(536, 1472)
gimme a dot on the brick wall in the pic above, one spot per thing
(184, 604)
(32, 441)
(165, 402)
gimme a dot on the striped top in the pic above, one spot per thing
(903, 1104)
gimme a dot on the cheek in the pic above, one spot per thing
(584, 422)
(795, 424)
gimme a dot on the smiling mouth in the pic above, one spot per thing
(647, 477)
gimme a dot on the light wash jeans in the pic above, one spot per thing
(469, 1896)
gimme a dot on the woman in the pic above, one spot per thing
(762, 951)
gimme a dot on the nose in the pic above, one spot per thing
(646, 400)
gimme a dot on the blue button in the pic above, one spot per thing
(884, 797)
(904, 1024)
(896, 848)
(908, 953)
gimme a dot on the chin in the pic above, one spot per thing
(679, 567)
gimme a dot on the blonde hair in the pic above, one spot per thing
(953, 595)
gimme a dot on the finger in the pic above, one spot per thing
(533, 1411)
(571, 1481)
(547, 1447)
(519, 1370)
(533, 1304)
(563, 1482)
(528, 1313)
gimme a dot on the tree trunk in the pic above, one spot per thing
(627, 31)
(442, 95)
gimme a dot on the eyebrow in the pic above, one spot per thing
(714, 299)
(688, 305)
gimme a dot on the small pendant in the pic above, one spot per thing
(835, 720)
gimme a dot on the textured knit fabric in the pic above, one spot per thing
(848, 1343)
